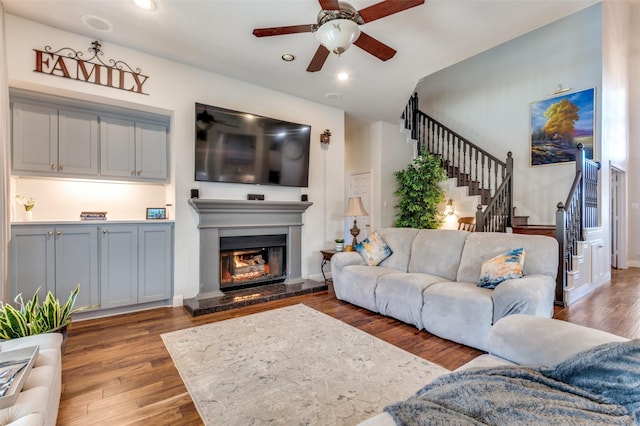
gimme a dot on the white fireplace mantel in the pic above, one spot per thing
(227, 218)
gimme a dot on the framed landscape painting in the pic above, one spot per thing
(559, 124)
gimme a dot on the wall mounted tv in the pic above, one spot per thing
(237, 147)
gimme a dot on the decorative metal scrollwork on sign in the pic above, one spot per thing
(68, 63)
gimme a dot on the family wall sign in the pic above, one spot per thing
(68, 63)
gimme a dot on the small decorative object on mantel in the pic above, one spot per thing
(93, 216)
(68, 63)
(28, 204)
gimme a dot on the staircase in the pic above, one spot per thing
(476, 176)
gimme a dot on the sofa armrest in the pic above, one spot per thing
(345, 258)
(531, 295)
(529, 340)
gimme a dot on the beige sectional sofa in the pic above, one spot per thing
(38, 402)
(529, 341)
(431, 279)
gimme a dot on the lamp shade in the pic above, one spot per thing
(337, 35)
(355, 207)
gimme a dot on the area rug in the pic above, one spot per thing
(292, 366)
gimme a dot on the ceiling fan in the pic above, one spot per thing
(337, 28)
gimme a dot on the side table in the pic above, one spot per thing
(326, 257)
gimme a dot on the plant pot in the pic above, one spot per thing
(339, 246)
(28, 215)
(63, 330)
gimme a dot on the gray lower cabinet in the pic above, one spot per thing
(136, 264)
(116, 265)
(56, 259)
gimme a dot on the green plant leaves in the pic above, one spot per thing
(420, 193)
(32, 318)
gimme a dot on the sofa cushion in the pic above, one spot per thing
(399, 241)
(400, 296)
(461, 312)
(359, 284)
(437, 252)
(373, 249)
(503, 267)
(542, 253)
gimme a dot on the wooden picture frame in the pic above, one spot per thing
(559, 124)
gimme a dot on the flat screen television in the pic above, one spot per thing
(237, 147)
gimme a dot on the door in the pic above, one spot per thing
(32, 261)
(77, 263)
(151, 151)
(117, 145)
(118, 265)
(155, 265)
(360, 185)
(618, 223)
(35, 138)
(78, 143)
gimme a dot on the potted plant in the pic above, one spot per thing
(339, 244)
(420, 194)
(31, 317)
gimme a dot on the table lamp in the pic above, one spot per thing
(355, 208)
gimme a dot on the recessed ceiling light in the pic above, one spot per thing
(333, 96)
(145, 4)
(288, 57)
(97, 23)
(343, 76)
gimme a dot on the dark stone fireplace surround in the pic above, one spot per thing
(231, 218)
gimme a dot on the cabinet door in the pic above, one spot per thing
(77, 263)
(77, 143)
(35, 138)
(32, 261)
(117, 147)
(118, 265)
(155, 274)
(151, 151)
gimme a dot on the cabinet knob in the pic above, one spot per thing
(50, 233)
(139, 172)
(58, 232)
(133, 172)
(53, 167)
(104, 231)
(61, 167)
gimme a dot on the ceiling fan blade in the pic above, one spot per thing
(374, 47)
(318, 59)
(386, 8)
(329, 4)
(275, 31)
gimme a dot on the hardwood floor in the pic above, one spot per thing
(116, 370)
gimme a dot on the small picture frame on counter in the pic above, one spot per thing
(156, 213)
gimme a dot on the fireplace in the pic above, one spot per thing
(249, 261)
(240, 221)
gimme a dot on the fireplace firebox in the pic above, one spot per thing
(249, 261)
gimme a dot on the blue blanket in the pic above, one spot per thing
(597, 386)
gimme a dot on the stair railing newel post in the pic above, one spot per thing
(509, 175)
(563, 255)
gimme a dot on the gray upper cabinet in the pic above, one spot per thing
(54, 140)
(133, 149)
(67, 138)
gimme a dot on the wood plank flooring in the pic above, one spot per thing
(116, 370)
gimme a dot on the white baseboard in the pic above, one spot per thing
(177, 301)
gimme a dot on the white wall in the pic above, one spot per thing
(173, 89)
(487, 98)
(633, 170)
(381, 149)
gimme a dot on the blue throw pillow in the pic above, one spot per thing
(373, 249)
(501, 268)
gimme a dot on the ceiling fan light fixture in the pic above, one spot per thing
(337, 35)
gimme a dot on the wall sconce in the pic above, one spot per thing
(325, 139)
(448, 209)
